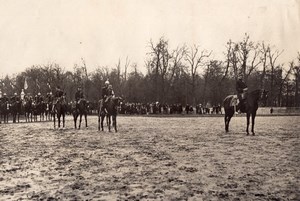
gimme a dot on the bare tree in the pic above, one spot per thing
(195, 59)
(264, 57)
(273, 56)
(248, 53)
(284, 81)
(161, 59)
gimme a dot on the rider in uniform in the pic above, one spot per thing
(49, 98)
(57, 96)
(107, 92)
(242, 90)
(14, 98)
(78, 96)
(40, 98)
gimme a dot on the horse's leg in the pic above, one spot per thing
(63, 116)
(99, 121)
(85, 117)
(54, 120)
(80, 119)
(115, 122)
(248, 122)
(226, 122)
(58, 119)
(253, 122)
(109, 122)
(75, 120)
(102, 119)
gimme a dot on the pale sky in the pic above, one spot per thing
(102, 31)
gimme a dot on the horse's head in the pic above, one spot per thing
(117, 100)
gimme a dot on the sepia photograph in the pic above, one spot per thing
(149, 100)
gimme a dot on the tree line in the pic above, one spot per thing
(185, 75)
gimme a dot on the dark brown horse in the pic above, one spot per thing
(251, 106)
(112, 111)
(27, 104)
(60, 110)
(15, 109)
(80, 110)
(4, 111)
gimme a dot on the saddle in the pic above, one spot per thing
(234, 101)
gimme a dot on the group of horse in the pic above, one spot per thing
(80, 109)
(56, 111)
(29, 108)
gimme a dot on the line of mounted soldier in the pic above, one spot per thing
(36, 106)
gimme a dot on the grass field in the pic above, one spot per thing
(152, 158)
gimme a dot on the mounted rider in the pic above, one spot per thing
(242, 91)
(78, 96)
(107, 93)
(39, 98)
(58, 96)
(49, 97)
(15, 98)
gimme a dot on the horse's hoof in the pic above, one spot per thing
(253, 134)
(247, 133)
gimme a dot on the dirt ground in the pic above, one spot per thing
(152, 159)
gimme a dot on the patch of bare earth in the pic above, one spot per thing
(152, 159)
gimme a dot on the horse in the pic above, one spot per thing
(251, 106)
(15, 109)
(112, 111)
(48, 111)
(60, 111)
(28, 109)
(81, 109)
(4, 110)
(39, 110)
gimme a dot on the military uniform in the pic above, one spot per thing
(14, 99)
(241, 89)
(78, 95)
(4, 99)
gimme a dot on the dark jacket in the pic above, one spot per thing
(240, 85)
(59, 93)
(14, 99)
(4, 99)
(78, 95)
(105, 92)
